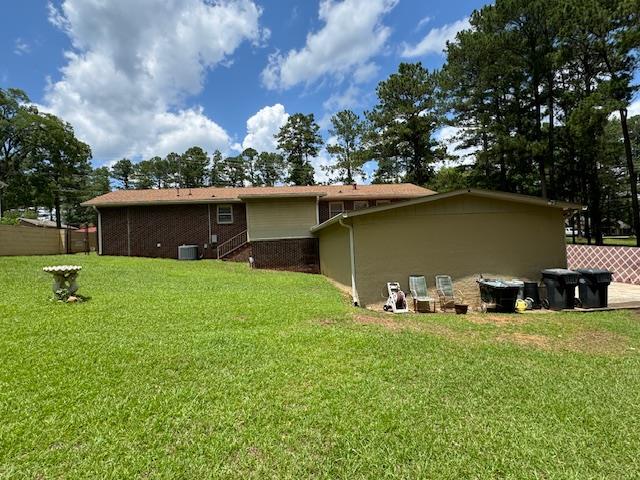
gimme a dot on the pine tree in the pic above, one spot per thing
(298, 139)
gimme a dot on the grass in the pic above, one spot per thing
(611, 241)
(210, 370)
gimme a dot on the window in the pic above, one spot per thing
(335, 208)
(225, 214)
(382, 202)
(360, 204)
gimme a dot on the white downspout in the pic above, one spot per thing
(354, 290)
(99, 231)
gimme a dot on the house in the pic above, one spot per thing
(463, 234)
(361, 236)
(42, 223)
(272, 223)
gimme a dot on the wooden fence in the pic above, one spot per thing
(22, 240)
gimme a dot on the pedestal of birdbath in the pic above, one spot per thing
(64, 278)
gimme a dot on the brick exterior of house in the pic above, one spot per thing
(297, 254)
(323, 207)
(138, 230)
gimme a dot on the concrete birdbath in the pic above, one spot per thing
(64, 279)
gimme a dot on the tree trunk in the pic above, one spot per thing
(633, 178)
(539, 159)
(56, 201)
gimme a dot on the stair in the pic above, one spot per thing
(231, 245)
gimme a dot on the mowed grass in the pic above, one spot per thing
(211, 370)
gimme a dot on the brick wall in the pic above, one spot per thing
(323, 207)
(167, 225)
(300, 254)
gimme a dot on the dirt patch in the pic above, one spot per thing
(488, 319)
(526, 339)
(588, 341)
(393, 324)
(599, 342)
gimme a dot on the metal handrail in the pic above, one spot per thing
(232, 244)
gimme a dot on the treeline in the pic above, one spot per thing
(537, 92)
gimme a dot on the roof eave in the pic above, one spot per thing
(92, 203)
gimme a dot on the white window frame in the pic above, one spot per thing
(331, 215)
(363, 204)
(382, 202)
(230, 214)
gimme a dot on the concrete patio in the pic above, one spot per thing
(624, 295)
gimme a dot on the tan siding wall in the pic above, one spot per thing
(21, 240)
(335, 262)
(280, 218)
(462, 237)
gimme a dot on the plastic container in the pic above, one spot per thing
(593, 287)
(561, 287)
(499, 295)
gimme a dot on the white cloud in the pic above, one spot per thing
(262, 127)
(449, 137)
(134, 63)
(351, 35)
(423, 22)
(436, 40)
(21, 47)
(634, 108)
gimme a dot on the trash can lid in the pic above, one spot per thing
(593, 271)
(558, 272)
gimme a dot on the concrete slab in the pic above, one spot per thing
(624, 295)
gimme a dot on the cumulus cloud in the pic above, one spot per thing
(133, 64)
(262, 127)
(351, 35)
(450, 138)
(436, 39)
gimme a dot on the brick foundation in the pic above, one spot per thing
(299, 254)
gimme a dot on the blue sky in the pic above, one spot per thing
(138, 78)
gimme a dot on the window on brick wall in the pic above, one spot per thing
(335, 208)
(360, 204)
(225, 214)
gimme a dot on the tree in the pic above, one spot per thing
(250, 157)
(298, 139)
(235, 171)
(122, 171)
(348, 149)
(95, 183)
(17, 122)
(58, 162)
(270, 167)
(143, 174)
(195, 165)
(217, 175)
(406, 116)
(449, 179)
(174, 169)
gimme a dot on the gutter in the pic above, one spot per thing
(99, 230)
(354, 290)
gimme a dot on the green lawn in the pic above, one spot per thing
(611, 241)
(209, 370)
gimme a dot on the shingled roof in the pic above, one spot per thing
(238, 194)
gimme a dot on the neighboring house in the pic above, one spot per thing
(273, 223)
(463, 234)
(37, 222)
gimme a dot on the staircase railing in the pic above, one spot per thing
(233, 244)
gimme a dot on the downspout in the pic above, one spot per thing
(99, 230)
(354, 290)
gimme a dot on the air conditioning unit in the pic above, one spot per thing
(188, 252)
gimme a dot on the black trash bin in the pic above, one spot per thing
(561, 287)
(498, 295)
(593, 287)
(531, 291)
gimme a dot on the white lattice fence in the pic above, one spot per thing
(624, 262)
